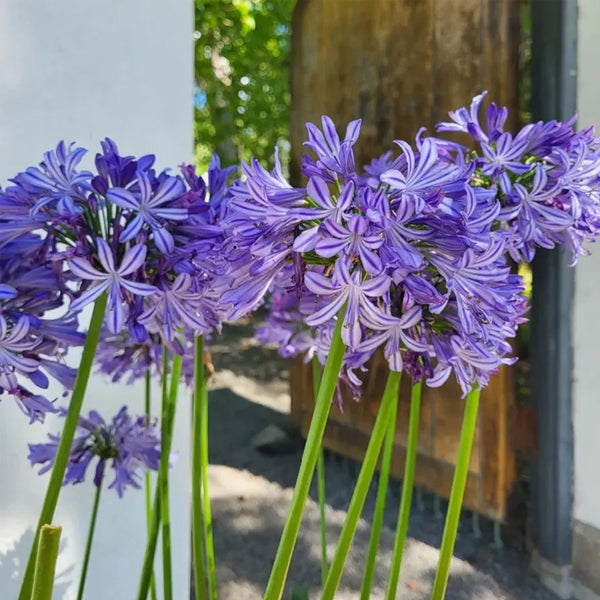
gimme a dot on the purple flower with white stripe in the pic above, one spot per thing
(14, 341)
(503, 157)
(148, 206)
(113, 281)
(347, 290)
(177, 305)
(58, 181)
(335, 157)
(394, 334)
(354, 240)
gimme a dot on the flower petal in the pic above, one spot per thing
(133, 259)
(88, 296)
(163, 240)
(105, 256)
(319, 284)
(83, 269)
(123, 198)
(132, 228)
(319, 192)
(138, 288)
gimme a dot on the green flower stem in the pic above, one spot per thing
(158, 514)
(45, 564)
(456, 494)
(148, 564)
(407, 490)
(88, 544)
(310, 457)
(207, 521)
(148, 480)
(382, 488)
(198, 527)
(66, 439)
(169, 401)
(389, 399)
(317, 372)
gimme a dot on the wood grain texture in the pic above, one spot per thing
(400, 65)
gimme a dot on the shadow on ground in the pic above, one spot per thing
(248, 521)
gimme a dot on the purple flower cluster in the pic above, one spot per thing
(412, 254)
(32, 344)
(121, 357)
(149, 241)
(546, 178)
(131, 445)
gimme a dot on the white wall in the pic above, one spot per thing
(82, 71)
(586, 386)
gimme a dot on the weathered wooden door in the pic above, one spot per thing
(400, 65)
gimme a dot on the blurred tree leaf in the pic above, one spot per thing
(242, 78)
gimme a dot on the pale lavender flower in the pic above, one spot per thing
(346, 289)
(131, 447)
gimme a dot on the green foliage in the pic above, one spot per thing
(242, 78)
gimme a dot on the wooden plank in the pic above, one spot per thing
(497, 458)
(457, 64)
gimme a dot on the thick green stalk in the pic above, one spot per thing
(198, 527)
(45, 564)
(148, 479)
(207, 521)
(168, 420)
(389, 399)
(169, 402)
(310, 456)
(407, 490)
(456, 494)
(66, 439)
(88, 544)
(317, 372)
(382, 488)
(148, 564)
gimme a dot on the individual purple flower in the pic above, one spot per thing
(176, 305)
(423, 176)
(346, 290)
(148, 207)
(467, 120)
(353, 240)
(503, 157)
(334, 156)
(14, 342)
(112, 280)
(326, 208)
(131, 447)
(394, 334)
(57, 180)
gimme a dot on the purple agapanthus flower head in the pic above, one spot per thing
(402, 254)
(547, 176)
(150, 241)
(130, 446)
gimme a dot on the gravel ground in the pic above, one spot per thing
(251, 492)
